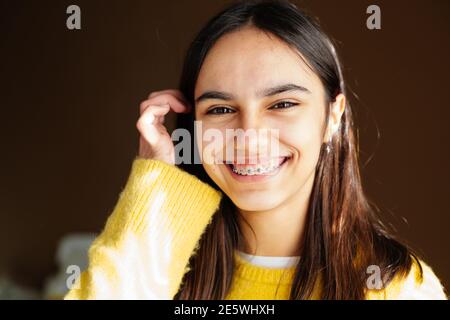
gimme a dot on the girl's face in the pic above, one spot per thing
(243, 66)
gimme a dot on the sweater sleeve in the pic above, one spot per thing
(144, 249)
(421, 283)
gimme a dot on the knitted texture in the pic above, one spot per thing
(155, 227)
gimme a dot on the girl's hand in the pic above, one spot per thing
(155, 142)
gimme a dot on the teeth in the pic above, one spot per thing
(251, 171)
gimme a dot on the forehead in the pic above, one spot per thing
(246, 60)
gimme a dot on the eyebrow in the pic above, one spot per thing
(212, 94)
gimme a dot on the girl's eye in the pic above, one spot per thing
(284, 105)
(219, 110)
(223, 110)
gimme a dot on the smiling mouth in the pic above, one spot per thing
(262, 169)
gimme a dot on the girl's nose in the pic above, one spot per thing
(254, 138)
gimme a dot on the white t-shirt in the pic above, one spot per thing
(270, 262)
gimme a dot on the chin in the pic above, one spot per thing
(255, 202)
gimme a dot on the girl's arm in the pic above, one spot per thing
(144, 249)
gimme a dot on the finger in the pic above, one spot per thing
(151, 135)
(167, 98)
(148, 131)
(156, 110)
(175, 104)
(155, 114)
(175, 92)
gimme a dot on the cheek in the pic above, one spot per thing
(304, 138)
(302, 135)
(210, 143)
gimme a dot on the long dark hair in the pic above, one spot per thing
(343, 236)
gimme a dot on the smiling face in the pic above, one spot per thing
(251, 81)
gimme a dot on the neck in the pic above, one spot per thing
(278, 231)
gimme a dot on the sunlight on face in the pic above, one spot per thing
(234, 85)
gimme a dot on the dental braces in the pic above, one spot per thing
(254, 171)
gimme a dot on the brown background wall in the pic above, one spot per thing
(69, 103)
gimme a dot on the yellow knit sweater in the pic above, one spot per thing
(144, 249)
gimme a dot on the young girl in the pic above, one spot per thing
(293, 224)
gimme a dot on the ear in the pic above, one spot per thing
(336, 111)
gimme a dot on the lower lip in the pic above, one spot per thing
(258, 177)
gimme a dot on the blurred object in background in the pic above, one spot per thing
(12, 291)
(72, 251)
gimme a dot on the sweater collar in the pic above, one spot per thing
(247, 270)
